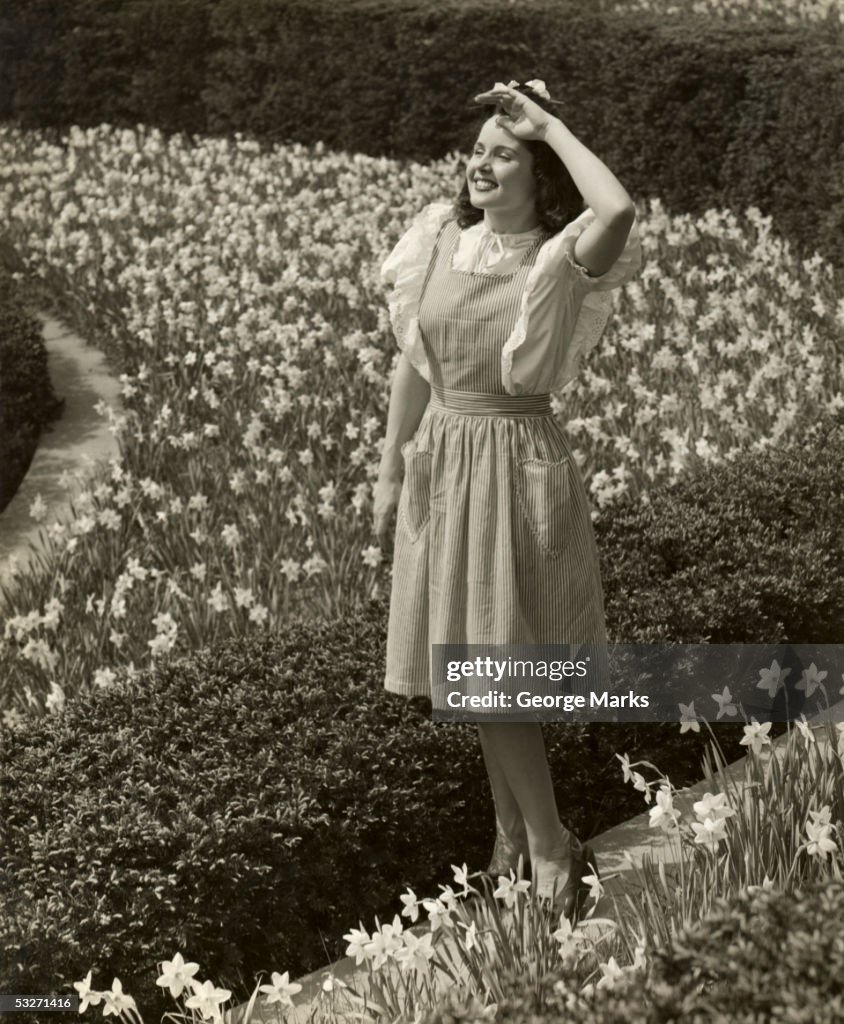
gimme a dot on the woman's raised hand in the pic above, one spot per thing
(519, 114)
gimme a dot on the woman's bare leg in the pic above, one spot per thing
(509, 824)
(518, 750)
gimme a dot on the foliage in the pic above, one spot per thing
(27, 400)
(692, 108)
(245, 804)
(760, 956)
(747, 551)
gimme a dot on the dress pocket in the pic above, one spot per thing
(415, 499)
(545, 495)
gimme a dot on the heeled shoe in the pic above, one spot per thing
(505, 858)
(569, 899)
(506, 853)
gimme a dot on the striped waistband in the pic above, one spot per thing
(473, 403)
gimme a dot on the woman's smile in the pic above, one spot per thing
(484, 184)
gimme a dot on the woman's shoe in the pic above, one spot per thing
(506, 853)
(569, 899)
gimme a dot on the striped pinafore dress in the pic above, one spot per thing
(494, 541)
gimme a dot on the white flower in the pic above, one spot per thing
(755, 736)
(176, 974)
(281, 989)
(664, 815)
(416, 952)
(772, 678)
(805, 729)
(710, 832)
(538, 86)
(439, 914)
(713, 805)
(87, 996)
(411, 905)
(724, 700)
(611, 973)
(688, 718)
(820, 839)
(470, 939)
(358, 940)
(811, 679)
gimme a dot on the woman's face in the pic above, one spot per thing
(504, 160)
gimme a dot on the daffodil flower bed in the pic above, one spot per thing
(782, 830)
(769, 12)
(234, 289)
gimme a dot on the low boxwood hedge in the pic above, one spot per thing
(769, 956)
(748, 551)
(27, 400)
(249, 804)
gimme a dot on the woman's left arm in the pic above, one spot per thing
(598, 246)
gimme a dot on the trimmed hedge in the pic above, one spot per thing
(689, 108)
(27, 400)
(248, 805)
(749, 551)
(762, 957)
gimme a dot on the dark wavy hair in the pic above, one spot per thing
(558, 200)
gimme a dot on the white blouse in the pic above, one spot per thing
(564, 308)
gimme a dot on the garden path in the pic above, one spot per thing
(80, 374)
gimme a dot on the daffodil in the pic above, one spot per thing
(358, 940)
(117, 1001)
(713, 805)
(207, 998)
(756, 736)
(709, 832)
(688, 718)
(724, 700)
(416, 952)
(509, 889)
(811, 679)
(664, 815)
(281, 990)
(820, 842)
(771, 679)
(87, 996)
(176, 974)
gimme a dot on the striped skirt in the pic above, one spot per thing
(494, 540)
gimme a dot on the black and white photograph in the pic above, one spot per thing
(421, 534)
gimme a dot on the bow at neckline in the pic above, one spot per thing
(499, 242)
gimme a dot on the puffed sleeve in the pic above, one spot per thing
(625, 267)
(404, 273)
(564, 311)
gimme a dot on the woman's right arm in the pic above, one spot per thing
(409, 397)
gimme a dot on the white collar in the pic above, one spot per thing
(507, 238)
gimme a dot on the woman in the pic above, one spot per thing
(495, 298)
